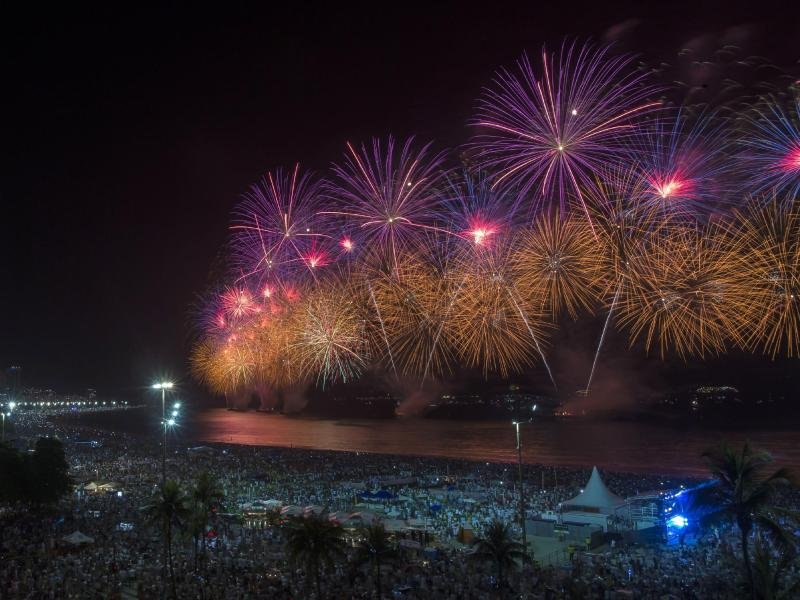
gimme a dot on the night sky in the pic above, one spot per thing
(129, 134)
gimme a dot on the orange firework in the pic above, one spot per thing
(683, 292)
(412, 304)
(328, 338)
(557, 265)
(491, 325)
(225, 367)
(768, 239)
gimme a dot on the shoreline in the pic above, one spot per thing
(183, 443)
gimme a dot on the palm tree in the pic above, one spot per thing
(206, 495)
(743, 493)
(374, 549)
(498, 545)
(769, 574)
(168, 510)
(315, 542)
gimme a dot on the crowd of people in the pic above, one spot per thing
(246, 557)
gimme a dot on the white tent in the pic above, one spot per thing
(77, 538)
(595, 498)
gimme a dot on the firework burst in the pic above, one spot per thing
(768, 239)
(489, 323)
(770, 148)
(329, 336)
(414, 302)
(545, 134)
(557, 265)
(277, 232)
(683, 292)
(681, 159)
(386, 196)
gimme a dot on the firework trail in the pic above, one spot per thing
(602, 338)
(535, 340)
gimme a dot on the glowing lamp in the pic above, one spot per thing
(678, 521)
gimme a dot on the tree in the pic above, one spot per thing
(498, 546)
(315, 542)
(49, 471)
(374, 550)
(206, 495)
(168, 510)
(743, 493)
(770, 568)
(12, 475)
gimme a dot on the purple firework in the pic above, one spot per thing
(386, 198)
(547, 134)
(277, 232)
(770, 155)
(477, 215)
(682, 162)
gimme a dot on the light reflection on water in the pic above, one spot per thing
(613, 445)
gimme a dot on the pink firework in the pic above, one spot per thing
(682, 161)
(770, 156)
(388, 198)
(546, 134)
(238, 303)
(277, 232)
(476, 213)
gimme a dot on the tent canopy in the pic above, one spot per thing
(595, 497)
(76, 538)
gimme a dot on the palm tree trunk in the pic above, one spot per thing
(165, 568)
(500, 587)
(169, 556)
(745, 531)
(378, 578)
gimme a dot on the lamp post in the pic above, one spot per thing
(521, 488)
(11, 406)
(164, 386)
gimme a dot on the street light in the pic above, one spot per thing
(4, 426)
(521, 488)
(164, 386)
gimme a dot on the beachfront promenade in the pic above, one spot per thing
(430, 506)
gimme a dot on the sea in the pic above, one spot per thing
(614, 445)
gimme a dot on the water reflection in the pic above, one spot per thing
(619, 446)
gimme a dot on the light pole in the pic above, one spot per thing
(11, 406)
(521, 488)
(164, 386)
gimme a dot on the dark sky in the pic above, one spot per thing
(128, 135)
